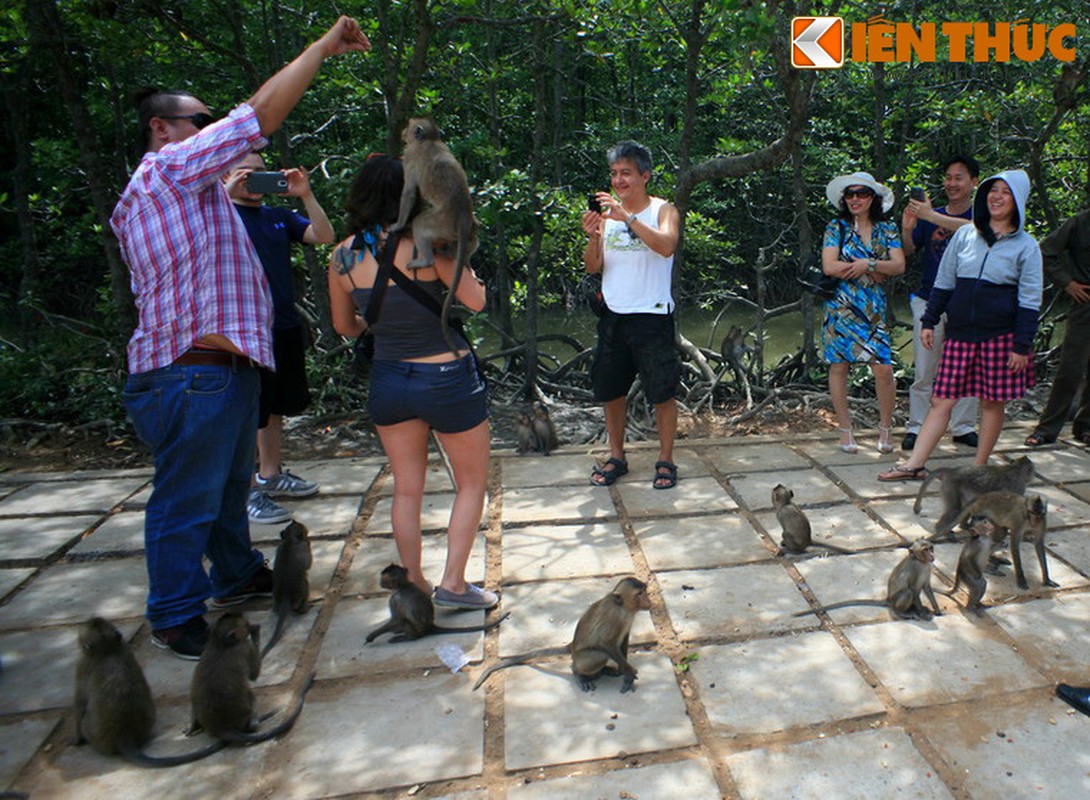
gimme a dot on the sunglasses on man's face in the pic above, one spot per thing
(199, 120)
(850, 193)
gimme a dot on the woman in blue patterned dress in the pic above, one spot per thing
(863, 250)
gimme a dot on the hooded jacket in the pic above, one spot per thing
(989, 290)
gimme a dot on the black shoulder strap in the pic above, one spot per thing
(382, 278)
(408, 285)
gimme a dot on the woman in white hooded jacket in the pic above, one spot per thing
(989, 286)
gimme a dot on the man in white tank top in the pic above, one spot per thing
(632, 242)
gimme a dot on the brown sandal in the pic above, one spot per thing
(899, 472)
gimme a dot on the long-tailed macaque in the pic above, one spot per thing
(524, 429)
(114, 709)
(544, 430)
(291, 588)
(412, 614)
(433, 175)
(796, 526)
(911, 576)
(222, 699)
(601, 636)
(972, 562)
(1020, 516)
(962, 485)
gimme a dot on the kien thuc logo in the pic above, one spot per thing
(817, 42)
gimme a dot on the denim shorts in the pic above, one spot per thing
(451, 397)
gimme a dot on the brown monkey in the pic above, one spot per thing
(601, 636)
(524, 429)
(113, 705)
(1020, 516)
(911, 576)
(733, 350)
(291, 588)
(433, 174)
(544, 430)
(222, 700)
(412, 614)
(796, 527)
(972, 562)
(962, 485)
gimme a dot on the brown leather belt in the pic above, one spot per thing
(211, 358)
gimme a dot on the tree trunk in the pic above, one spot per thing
(15, 93)
(47, 32)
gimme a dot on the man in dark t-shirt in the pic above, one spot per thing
(273, 229)
(926, 230)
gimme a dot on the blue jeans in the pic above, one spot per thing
(200, 423)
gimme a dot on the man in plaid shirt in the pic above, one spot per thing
(205, 322)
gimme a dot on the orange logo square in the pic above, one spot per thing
(817, 42)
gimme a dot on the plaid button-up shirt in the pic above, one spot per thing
(194, 270)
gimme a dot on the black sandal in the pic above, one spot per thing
(1037, 439)
(665, 471)
(609, 476)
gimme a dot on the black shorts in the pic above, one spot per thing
(636, 343)
(285, 392)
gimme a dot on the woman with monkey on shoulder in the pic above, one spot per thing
(417, 383)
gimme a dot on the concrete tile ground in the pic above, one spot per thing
(736, 697)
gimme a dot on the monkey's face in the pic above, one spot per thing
(393, 577)
(981, 526)
(923, 551)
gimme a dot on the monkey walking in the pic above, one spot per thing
(433, 174)
(962, 485)
(972, 562)
(291, 588)
(1021, 517)
(114, 709)
(911, 576)
(601, 636)
(796, 527)
(412, 615)
(222, 699)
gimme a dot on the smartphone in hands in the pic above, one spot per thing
(266, 183)
(593, 203)
(917, 193)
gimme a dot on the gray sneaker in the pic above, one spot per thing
(264, 510)
(284, 484)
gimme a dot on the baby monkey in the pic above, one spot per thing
(973, 561)
(412, 615)
(601, 636)
(291, 587)
(910, 577)
(222, 699)
(796, 527)
(113, 705)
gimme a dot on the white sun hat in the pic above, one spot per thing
(834, 191)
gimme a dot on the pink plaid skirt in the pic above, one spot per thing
(979, 369)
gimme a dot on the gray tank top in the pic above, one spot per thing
(405, 328)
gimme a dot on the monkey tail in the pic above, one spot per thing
(842, 604)
(461, 258)
(515, 661)
(281, 616)
(931, 475)
(141, 759)
(472, 628)
(834, 547)
(242, 737)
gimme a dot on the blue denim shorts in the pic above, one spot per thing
(451, 397)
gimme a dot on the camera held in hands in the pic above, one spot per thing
(918, 193)
(593, 203)
(266, 183)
